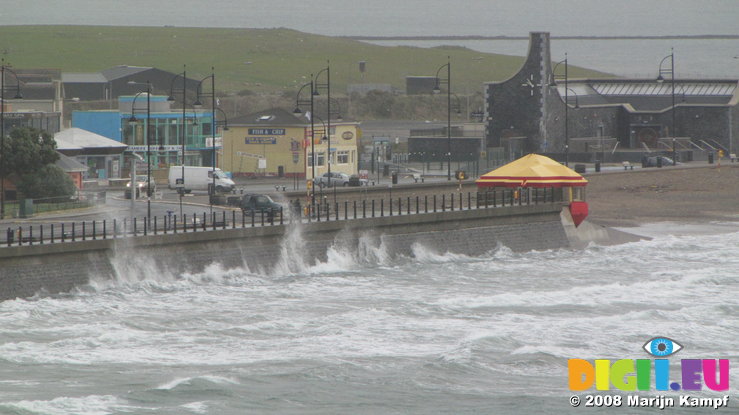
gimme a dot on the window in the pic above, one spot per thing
(342, 157)
(320, 159)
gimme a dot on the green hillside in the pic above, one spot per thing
(261, 60)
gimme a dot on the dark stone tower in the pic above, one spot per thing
(517, 109)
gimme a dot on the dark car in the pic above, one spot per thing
(258, 204)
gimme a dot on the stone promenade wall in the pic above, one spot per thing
(55, 268)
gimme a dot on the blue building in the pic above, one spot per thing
(167, 129)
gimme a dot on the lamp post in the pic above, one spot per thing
(181, 190)
(661, 79)
(197, 104)
(3, 69)
(148, 142)
(567, 105)
(298, 103)
(327, 85)
(437, 89)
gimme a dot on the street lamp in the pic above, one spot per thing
(172, 90)
(133, 120)
(437, 89)
(327, 86)
(298, 103)
(661, 79)
(197, 104)
(567, 105)
(3, 69)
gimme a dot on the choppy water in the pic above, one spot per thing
(369, 333)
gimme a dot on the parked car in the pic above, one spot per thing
(141, 187)
(654, 161)
(339, 179)
(258, 203)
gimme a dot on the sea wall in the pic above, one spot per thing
(56, 268)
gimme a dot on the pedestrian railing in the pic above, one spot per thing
(321, 211)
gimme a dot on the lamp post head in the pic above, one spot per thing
(170, 98)
(132, 120)
(660, 79)
(297, 110)
(197, 103)
(18, 95)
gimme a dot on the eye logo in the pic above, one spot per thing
(662, 347)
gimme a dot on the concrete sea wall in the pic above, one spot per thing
(55, 268)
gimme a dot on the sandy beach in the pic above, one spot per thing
(694, 194)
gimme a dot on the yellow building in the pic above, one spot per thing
(276, 142)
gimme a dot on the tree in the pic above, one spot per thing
(48, 181)
(27, 150)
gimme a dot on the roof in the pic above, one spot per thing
(532, 170)
(95, 77)
(270, 117)
(69, 165)
(77, 141)
(122, 71)
(648, 95)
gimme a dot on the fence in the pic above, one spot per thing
(320, 212)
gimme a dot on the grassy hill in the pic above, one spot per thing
(260, 60)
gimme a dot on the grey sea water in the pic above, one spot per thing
(368, 332)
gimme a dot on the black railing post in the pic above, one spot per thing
(434, 203)
(63, 235)
(41, 234)
(443, 202)
(452, 196)
(417, 204)
(346, 209)
(233, 219)
(20, 236)
(30, 234)
(281, 215)
(390, 202)
(52, 233)
(408, 204)
(318, 211)
(155, 225)
(336, 210)
(243, 220)
(146, 226)
(84, 237)
(262, 215)
(426, 203)
(354, 207)
(469, 201)
(373, 208)
(9, 236)
(252, 218)
(382, 207)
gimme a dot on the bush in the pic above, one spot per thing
(48, 181)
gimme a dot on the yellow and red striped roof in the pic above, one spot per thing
(532, 170)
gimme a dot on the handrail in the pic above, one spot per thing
(323, 210)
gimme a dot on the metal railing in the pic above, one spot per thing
(325, 211)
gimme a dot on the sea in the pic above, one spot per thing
(371, 332)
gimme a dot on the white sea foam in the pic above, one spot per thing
(85, 405)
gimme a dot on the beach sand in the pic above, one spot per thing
(687, 194)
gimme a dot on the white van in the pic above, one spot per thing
(199, 178)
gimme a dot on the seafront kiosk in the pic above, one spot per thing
(537, 171)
